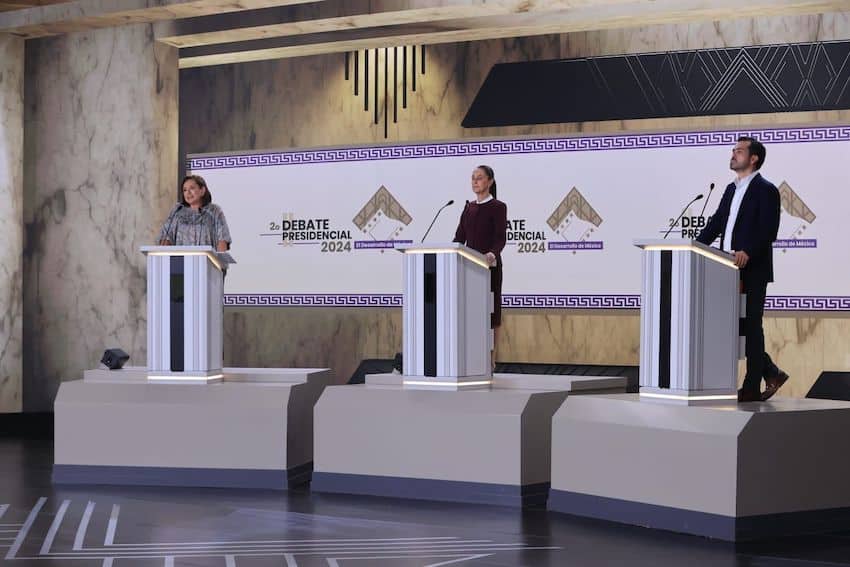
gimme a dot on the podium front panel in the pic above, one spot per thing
(446, 316)
(690, 313)
(185, 314)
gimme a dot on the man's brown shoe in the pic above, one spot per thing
(773, 384)
(745, 396)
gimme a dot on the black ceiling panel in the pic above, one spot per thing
(705, 82)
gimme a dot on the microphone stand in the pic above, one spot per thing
(694, 200)
(704, 205)
(430, 226)
(171, 217)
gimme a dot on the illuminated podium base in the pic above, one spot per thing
(728, 471)
(384, 439)
(251, 430)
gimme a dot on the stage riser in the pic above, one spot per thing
(697, 523)
(427, 489)
(196, 478)
(730, 471)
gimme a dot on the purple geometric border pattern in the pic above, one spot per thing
(527, 146)
(807, 303)
(572, 301)
(312, 300)
(773, 303)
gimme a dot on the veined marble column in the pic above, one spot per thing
(11, 219)
(100, 172)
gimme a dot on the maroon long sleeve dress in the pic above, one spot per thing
(484, 228)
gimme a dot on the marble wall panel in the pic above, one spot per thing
(11, 221)
(100, 174)
(307, 337)
(306, 102)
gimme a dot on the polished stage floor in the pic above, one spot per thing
(44, 525)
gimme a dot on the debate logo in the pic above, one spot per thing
(575, 221)
(383, 218)
(795, 222)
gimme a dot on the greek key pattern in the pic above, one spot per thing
(529, 146)
(773, 303)
(572, 301)
(807, 303)
(311, 300)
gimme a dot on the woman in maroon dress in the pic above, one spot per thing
(483, 227)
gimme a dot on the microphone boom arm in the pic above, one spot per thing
(694, 200)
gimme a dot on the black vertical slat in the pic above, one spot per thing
(366, 80)
(376, 85)
(404, 76)
(386, 89)
(430, 314)
(176, 304)
(422, 57)
(356, 72)
(347, 63)
(395, 85)
(413, 70)
(664, 319)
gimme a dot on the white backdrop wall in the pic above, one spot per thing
(317, 227)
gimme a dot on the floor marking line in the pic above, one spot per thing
(54, 528)
(229, 561)
(22, 535)
(296, 541)
(107, 562)
(190, 547)
(278, 553)
(169, 561)
(3, 508)
(467, 558)
(83, 527)
(290, 560)
(113, 525)
(300, 550)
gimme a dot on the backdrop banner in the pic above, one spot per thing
(318, 227)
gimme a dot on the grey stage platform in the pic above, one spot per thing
(488, 446)
(731, 472)
(252, 430)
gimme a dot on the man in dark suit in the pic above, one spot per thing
(747, 221)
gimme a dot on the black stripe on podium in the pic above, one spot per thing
(664, 319)
(430, 311)
(177, 323)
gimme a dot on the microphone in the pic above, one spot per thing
(171, 217)
(710, 189)
(451, 202)
(694, 200)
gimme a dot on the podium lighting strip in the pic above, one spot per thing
(713, 397)
(463, 253)
(212, 258)
(435, 383)
(174, 378)
(700, 251)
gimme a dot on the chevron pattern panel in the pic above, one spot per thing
(744, 80)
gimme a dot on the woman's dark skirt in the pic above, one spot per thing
(496, 288)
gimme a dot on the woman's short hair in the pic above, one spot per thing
(206, 199)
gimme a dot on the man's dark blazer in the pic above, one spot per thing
(755, 229)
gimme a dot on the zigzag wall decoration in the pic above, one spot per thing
(741, 80)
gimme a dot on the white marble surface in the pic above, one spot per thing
(11, 220)
(101, 173)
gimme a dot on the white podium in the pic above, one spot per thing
(446, 317)
(185, 313)
(689, 319)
